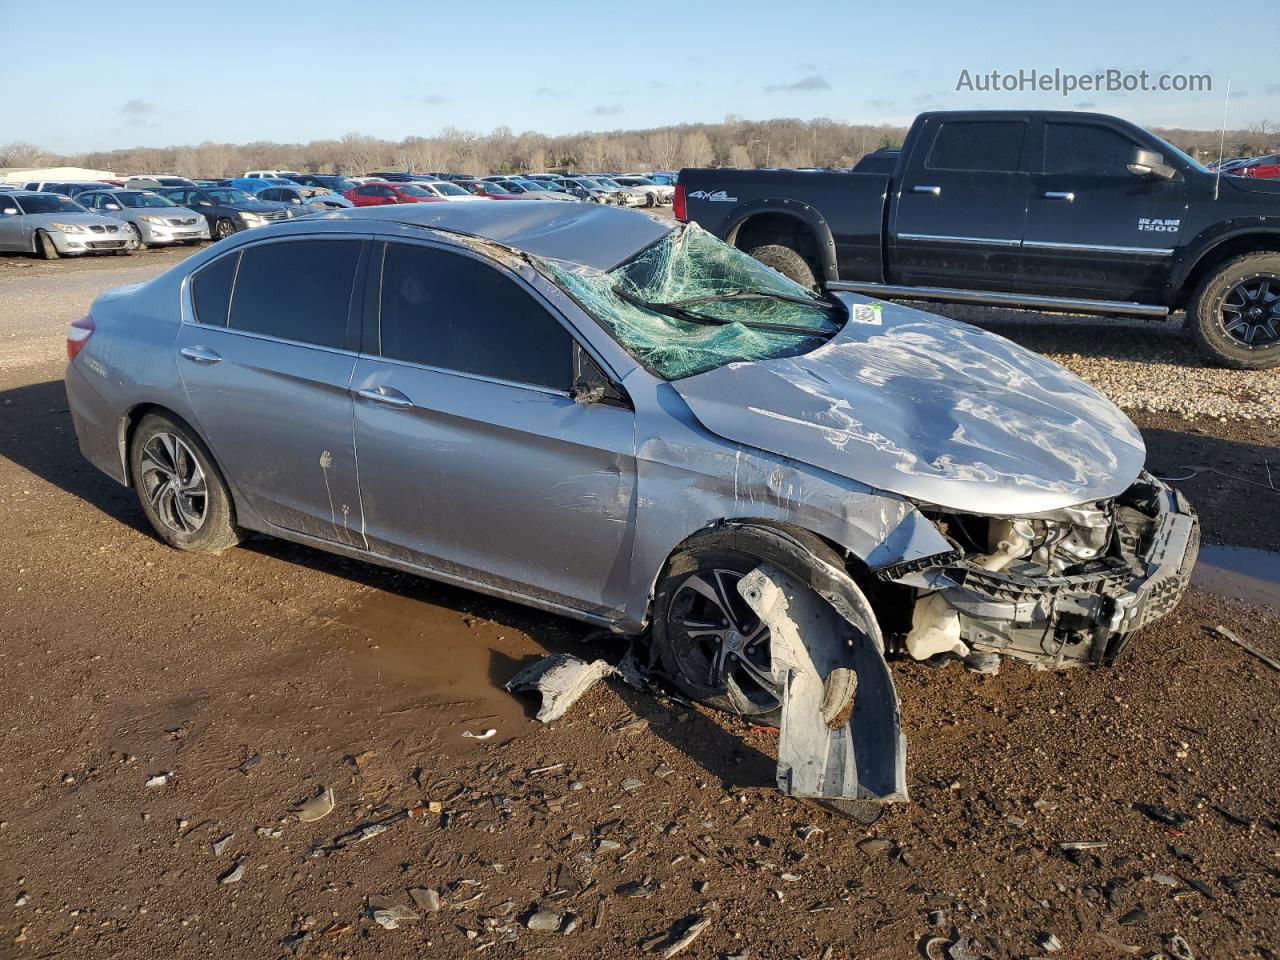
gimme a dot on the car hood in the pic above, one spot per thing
(931, 409)
(1263, 185)
(262, 206)
(88, 219)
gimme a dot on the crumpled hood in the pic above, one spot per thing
(931, 409)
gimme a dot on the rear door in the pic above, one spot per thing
(266, 352)
(474, 459)
(960, 206)
(1093, 228)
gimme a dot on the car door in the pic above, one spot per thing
(474, 458)
(13, 233)
(266, 351)
(1093, 227)
(961, 202)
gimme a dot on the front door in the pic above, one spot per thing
(960, 206)
(266, 352)
(474, 459)
(1094, 228)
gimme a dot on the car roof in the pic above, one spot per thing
(593, 235)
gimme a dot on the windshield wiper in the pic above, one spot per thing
(677, 311)
(754, 295)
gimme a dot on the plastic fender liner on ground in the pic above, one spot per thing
(812, 648)
(562, 679)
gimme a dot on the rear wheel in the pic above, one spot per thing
(1234, 315)
(787, 262)
(45, 247)
(223, 229)
(180, 487)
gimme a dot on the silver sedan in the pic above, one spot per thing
(51, 226)
(152, 219)
(627, 422)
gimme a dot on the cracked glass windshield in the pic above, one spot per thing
(690, 303)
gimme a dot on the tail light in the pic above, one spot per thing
(78, 335)
(678, 206)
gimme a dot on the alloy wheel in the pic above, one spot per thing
(174, 483)
(1250, 311)
(719, 642)
(223, 229)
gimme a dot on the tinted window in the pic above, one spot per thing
(211, 290)
(1080, 148)
(977, 145)
(446, 310)
(296, 290)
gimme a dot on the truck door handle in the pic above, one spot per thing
(387, 396)
(1059, 195)
(936, 191)
(201, 355)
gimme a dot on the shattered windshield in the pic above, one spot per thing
(690, 303)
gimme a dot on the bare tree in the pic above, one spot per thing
(663, 147)
(359, 152)
(696, 149)
(20, 154)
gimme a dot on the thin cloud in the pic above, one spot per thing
(1084, 105)
(814, 81)
(431, 99)
(606, 110)
(549, 92)
(138, 113)
(879, 104)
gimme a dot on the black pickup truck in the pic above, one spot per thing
(1043, 210)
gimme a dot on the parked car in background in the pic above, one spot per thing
(623, 196)
(271, 175)
(447, 190)
(494, 191)
(666, 178)
(152, 180)
(580, 187)
(254, 184)
(226, 209)
(1260, 168)
(654, 193)
(68, 188)
(330, 181)
(51, 226)
(531, 188)
(312, 198)
(379, 194)
(154, 220)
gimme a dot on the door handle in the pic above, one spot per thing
(919, 188)
(1059, 195)
(387, 396)
(200, 355)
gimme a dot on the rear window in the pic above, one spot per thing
(211, 290)
(989, 145)
(296, 290)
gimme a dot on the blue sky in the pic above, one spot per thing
(154, 74)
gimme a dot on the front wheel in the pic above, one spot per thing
(45, 246)
(223, 229)
(787, 262)
(1234, 315)
(135, 240)
(180, 487)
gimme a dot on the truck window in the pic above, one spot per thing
(992, 145)
(1085, 148)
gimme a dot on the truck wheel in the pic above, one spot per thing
(787, 262)
(1234, 315)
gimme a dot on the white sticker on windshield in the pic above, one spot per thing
(868, 313)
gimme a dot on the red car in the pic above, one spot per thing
(376, 194)
(1263, 168)
(483, 188)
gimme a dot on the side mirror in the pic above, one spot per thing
(294, 200)
(9, 211)
(110, 206)
(1149, 164)
(592, 385)
(204, 203)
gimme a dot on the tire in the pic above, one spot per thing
(223, 229)
(787, 262)
(1228, 323)
(45, 248)
(720, 558)
(199, 517)
(137, 237)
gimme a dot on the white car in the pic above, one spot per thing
(626, 196)
(656, 192)
(447, 191)
(268, 174)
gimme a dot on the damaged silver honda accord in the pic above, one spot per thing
(628, 422)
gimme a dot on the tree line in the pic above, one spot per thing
(735, 142)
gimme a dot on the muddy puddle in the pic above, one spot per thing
(1244, 573)
(451, 656)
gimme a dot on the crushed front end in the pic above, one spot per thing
(1056, 589)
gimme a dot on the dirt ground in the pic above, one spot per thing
(154, 704)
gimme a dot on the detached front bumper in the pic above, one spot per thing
(1052, 620)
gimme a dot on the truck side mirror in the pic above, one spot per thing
(1149, 164)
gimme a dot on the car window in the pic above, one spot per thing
(451, 311)
(271, 194)
(1086, 148)
(211, 290)
(990, 145)
(296, 290)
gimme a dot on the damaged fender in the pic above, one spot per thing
(824, 655)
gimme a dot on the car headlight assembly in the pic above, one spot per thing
(157, 221)
(67, 227)
(249, 217)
